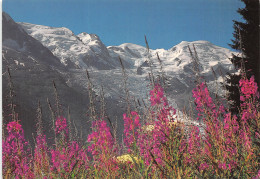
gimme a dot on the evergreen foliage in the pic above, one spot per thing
(246, 41)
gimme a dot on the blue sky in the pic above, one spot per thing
(164, 22)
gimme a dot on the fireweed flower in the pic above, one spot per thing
(226, 146)
(202, 98)
(248, 88)
(61, 125)
(222, 166)
(101, 138)
(194, 146)
(41, 157)
(151, 139)
(249, 111)
(102, 146)
(15, 127)
(248, 98)
(69, 158)
(203, 166)
(131, 126)
(224, 137)
(16, 153)
(157, 96)
(204, 103)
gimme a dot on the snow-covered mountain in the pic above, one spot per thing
(87, 51)
(178, 57)
(64, 57)
(177, 66)
(78, 51)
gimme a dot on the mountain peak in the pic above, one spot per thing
(86, 38)
(83, 51)
(42, 29)
(198, 42)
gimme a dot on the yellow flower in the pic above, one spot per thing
(127, 158)
(150, 128)
(174, 123)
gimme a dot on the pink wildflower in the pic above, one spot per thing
(14, 127)
(248, 88)
(131, 124)
(203, 166)
(69, 158)
(61, 125)
(15, 154)
(222, 166)
(102, 146)
(157, 96)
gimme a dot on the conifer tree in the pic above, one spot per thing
(246, 41)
